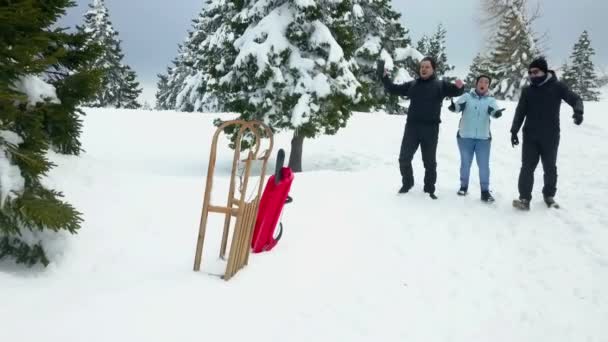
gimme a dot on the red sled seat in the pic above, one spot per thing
(271, 205)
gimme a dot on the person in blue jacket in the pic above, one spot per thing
(474, 136)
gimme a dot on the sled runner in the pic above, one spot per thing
(271, 205)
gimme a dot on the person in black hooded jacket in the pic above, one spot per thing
(426, 95)
(539, 104)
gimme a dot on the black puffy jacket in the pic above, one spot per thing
(426, 97)
(540, 107)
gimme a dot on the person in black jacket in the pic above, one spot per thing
(539, 104)
(426, 95)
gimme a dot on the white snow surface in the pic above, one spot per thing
(357, 262)
(36, 89)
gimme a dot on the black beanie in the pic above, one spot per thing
(484, 76)
(540, 63)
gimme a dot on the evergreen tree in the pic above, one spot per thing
(481, 65)
(192, 83)
(119, 88)
(45, 74)
(515, 48)
(564, 76)
(580, 75)
(292, 69)
(380, 35)
(434, 46)
(163, 91)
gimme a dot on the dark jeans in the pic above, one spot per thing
(425, 136)
(533, 150)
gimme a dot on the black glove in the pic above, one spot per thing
(497, 113)
(578, 118)
(380, 69)
(514, 140)
(452, 107)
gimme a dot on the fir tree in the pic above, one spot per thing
(437, 50)
(163, 91)
(292, 69)
(481, 65)
(380, 35)
(192, 83)
(434, 46)
(119, 87)
(45, 74)
(515, 48)
(580, 75)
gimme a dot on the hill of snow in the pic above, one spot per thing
(357, 264)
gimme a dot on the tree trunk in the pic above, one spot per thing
(295, 156)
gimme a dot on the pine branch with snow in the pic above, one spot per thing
(47, 75)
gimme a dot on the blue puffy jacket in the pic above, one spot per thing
(475, 120)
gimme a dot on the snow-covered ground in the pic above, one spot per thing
(356, 262)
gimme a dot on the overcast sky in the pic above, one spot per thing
(151, 29)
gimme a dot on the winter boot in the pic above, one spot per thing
(462, 191)
(521, 204)
(550, 202)
(431, 193)
(404, 189)
(487, 197)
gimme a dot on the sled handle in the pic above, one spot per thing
(279, 166)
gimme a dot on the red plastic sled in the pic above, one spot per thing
(271, 205)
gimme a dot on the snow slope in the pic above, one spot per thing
(359, 264)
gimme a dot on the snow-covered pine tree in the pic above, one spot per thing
(119, 87)
(514, 49)
(434, 46)
(437, 49)
(480, 65)
(171, 83)
(45, 75)
(563, 76)
(292, 69)
(380, 35)
(192, 83)
(580, 74)
(163, 91)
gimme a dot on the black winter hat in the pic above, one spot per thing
(483, 76)
(540, 63)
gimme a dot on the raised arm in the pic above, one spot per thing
(451, 90)
(395, 89)
(389, 86)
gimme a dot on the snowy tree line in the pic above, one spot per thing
(305, 65)
(514, 44)
(298, 65)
